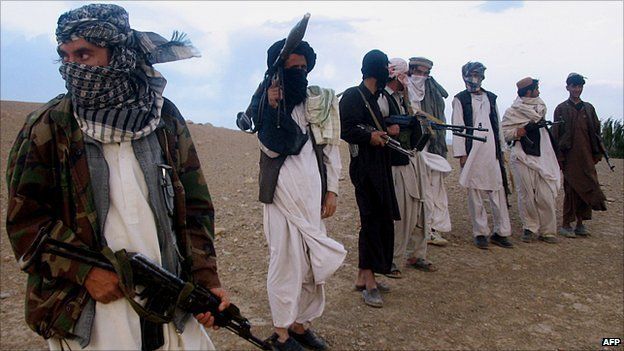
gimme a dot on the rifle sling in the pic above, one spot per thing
(377, 124)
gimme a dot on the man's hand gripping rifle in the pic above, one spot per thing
(250, 120)
(391, 143)
(163, 290)
(542, 123)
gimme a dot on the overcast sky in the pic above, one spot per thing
(545, 40)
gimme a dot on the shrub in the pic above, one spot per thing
(613, 136)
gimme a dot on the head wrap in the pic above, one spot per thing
(397, 68)
(575, 79)
(304, 49)
(473, 83)
(420, 61)
(123, 100)
(374, 65)
(295, 80)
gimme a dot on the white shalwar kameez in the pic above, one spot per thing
(303, 257)
(481, 174)
(410, 187)
(130, 225)
(537, 178)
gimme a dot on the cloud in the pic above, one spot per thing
(233, 38)
(500, 6)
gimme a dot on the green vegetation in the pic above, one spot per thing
(613, 136)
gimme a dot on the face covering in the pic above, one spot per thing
(416, 87)
(473, 84)
(295, 86)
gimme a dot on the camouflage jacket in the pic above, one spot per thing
(49, 189)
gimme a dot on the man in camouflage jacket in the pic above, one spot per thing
(58, 179)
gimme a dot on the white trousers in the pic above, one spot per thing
(193, 338)
(436, 202)
(479, 216)
(293, 294)
(409, 232)
(536, 200)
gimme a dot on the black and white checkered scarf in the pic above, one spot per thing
(122, 101)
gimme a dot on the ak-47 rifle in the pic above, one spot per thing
(164, 291)
(604, 151)
(531, 126)
(422, 122)
(390, 142)
(248, 121)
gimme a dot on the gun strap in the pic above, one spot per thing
(377, 124)
(120, 262)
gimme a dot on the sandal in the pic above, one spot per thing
(394, 274)
(422, 264)
(383, 288)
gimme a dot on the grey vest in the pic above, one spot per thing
(161, 200)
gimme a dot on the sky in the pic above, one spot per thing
(513, 39)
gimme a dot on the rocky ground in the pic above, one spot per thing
(535, 296)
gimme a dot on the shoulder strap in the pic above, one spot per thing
(377, 124)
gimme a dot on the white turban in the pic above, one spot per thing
(397, 67)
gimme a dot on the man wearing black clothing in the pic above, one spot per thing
(371, 174)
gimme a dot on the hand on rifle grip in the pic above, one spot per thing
(206, 318)
(378, 138)
(103, 285)
(274, 93)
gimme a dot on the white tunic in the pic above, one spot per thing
(303, 257)
(130, 225)
(481, 170)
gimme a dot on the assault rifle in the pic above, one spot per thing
(537, 125)
(246, 121)
(604, 151)
(163, 290)
(391, 143)
(422, 122)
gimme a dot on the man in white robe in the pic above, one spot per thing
(302, 256)
(409, 177)
(533, 162)
(427, 95)
(137, 199)
(482, 173)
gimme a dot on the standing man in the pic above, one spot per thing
(371, 174)
(299, 189)
(428, 96)
(533, 162)
(408, 174)
(579, 150)
(481, 162)
(110, 164)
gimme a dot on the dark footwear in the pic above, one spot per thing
(567, 232)
(289, 345)
(501, 241)
(372, 298)
(309, 340)
(581, 231)
(394, 274)
(548, 238)
(383, 288)
(481, 242)
(422, 264)
(528, 236)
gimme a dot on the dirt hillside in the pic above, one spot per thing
(535, 296)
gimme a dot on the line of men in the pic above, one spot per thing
(111, 164)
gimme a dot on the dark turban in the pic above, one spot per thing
(374, 63)
(303, 49)
(473, 66)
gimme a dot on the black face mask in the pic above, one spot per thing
(295, 86)
(383, 76)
